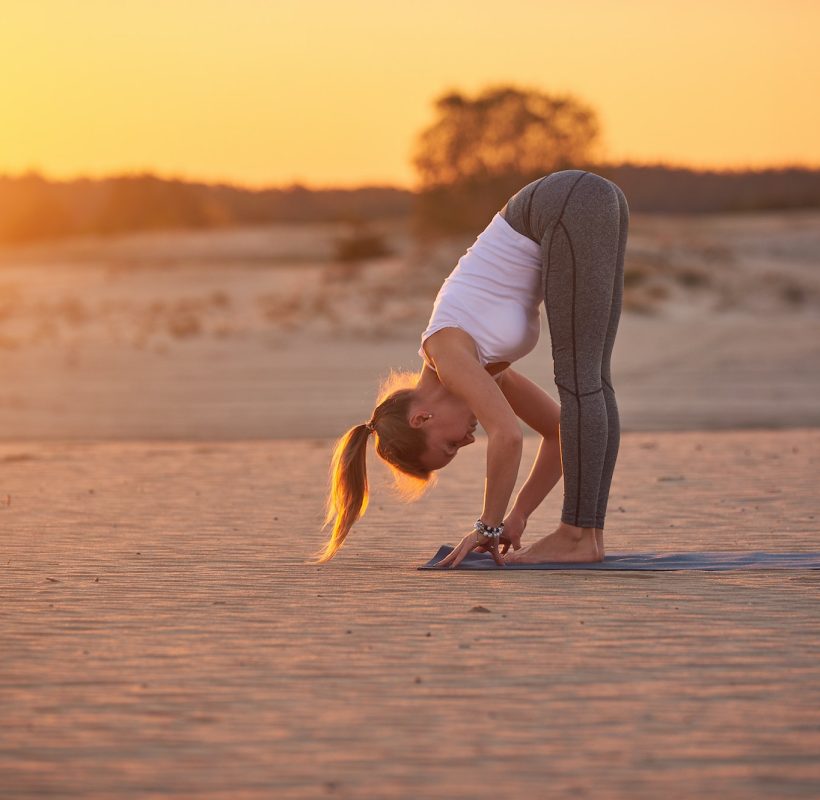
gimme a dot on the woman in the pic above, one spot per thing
(561, 240)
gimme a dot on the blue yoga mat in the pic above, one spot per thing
(710, 561)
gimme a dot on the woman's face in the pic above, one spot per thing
(449, 425)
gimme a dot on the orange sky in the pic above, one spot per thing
(333, 92)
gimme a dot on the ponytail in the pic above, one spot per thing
(349, 494)
(398, 444)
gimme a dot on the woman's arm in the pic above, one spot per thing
(503, 461)
(461, 373)
(538, 410)
(531, 403)
(545, 472)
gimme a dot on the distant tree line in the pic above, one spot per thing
(33, 208)
(663, 189)
(476, 154)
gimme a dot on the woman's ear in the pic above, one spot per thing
(419, 418)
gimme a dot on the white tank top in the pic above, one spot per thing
(494, 294)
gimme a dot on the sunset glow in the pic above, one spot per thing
(334, 93)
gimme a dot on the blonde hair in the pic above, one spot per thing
(398, 444)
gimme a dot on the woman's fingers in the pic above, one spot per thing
(458, 554)
(460, 557)
(448, 558)
(515, 541)
(454, 553)
(466, 546)
(497, 556)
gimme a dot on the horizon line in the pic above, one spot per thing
(292, 184)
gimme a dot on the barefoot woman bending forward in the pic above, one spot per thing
(561, 240)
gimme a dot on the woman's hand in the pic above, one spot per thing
(469, 543)
(514, 526)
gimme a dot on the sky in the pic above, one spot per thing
(335, 92)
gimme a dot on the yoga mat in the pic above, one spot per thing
(710, 561)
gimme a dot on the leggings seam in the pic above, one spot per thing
(549, 249)
(575, 367)
(528, 215)
(574, 350)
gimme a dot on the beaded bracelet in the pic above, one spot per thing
(486, 530)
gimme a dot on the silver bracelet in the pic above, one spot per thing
(486, 530)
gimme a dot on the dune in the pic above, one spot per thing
(238, 333)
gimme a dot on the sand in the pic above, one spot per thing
(162, 635)
(226, 335)
(167, 409)
(707, 372)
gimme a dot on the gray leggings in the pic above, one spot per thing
(580, 220)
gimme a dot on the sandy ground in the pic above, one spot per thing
(238, 334)
(731, 370)
(162, 637)
(168, 403)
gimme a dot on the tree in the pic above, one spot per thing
(480, 151)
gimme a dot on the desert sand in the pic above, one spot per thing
(167, 410)
(163, 637)
(238, 334)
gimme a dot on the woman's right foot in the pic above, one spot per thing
(599, 540)
(564, 545)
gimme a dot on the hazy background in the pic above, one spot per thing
(212, 212)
